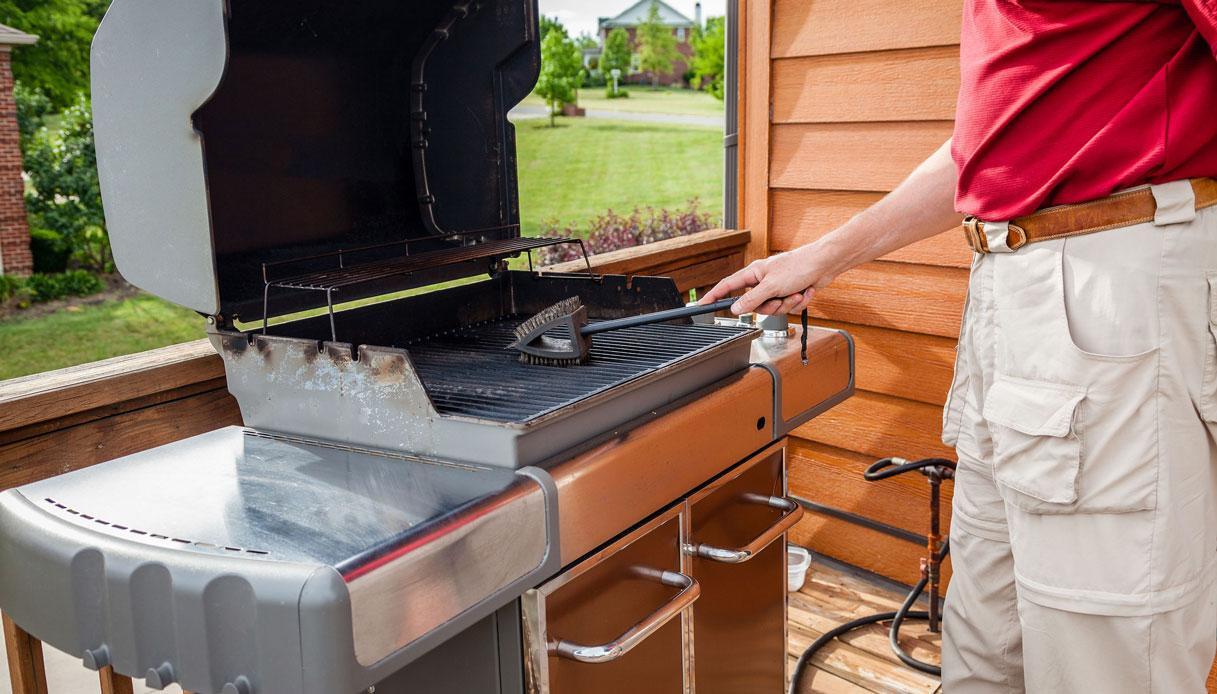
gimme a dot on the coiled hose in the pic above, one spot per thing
(883, 469)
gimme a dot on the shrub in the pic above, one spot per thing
(51, 252)
(612, 231)
(64, 195)
(48, 287)
(10, 287)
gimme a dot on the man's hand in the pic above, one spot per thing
(779, 284)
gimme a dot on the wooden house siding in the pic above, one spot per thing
(840, 102)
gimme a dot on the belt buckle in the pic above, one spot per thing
(973, 232)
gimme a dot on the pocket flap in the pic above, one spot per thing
(1035, 409)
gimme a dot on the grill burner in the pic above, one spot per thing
(472, 371)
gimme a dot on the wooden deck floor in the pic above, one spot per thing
(861, 661)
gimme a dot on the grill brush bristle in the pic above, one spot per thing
(536, 346)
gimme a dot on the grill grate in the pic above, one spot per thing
(471, 372)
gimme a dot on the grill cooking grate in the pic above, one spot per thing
(470, 371)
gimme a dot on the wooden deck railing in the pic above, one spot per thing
(69, 419)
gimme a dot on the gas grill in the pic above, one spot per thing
(333, 185)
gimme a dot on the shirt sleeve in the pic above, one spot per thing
(1204, 15)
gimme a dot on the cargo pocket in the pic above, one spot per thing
(1037, 451)
(1208, 392)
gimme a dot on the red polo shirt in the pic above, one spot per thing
(1064, 101)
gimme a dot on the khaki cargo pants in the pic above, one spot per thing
(1084, 413)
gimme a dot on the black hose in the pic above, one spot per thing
(897, 619)
(883, 469)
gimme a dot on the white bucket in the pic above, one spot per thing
(798, 561)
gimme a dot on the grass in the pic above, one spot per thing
(585, 166)
(643, 99)
(93, 332)
(571, 172)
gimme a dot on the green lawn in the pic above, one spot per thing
(572, 172)
(585, 166)
(647, 100)
(109, 329)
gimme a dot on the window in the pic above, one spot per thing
(680, 34)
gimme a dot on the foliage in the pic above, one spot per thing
(42, 287)
(709, 66)
(10, 286)
(50, 287)
(561, 72)
(51, 252)
(549, 24)
(33, 107)
(64, 195)
(617, 55)
(59, 63)
(656, 46)
(586, 41)
(611, 231)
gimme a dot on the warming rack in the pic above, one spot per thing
(343, 274)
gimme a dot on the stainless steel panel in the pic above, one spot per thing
(739, 623)
(411, 590)
(614, 593)
(274, 498)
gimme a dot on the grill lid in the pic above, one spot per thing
(234, 134)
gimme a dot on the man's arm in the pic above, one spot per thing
(920, 207)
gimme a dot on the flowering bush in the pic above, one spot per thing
(612, 231)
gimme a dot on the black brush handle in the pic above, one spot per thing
(656, 317)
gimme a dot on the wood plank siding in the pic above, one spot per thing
(855, 93)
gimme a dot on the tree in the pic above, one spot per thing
(64, 195)
(617, 54)
(561, 72)
(59, 63)
(586, 41)
(549, 24)
(709, 48)
(656, 46)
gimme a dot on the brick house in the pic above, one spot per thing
(15, 256)
(681, 27)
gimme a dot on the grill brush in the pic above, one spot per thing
(569, 318)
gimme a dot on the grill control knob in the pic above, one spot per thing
(240, 685)
(97, 658)
(160, 676)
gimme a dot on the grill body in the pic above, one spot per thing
(432, 375)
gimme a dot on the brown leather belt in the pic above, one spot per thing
(1130, 207)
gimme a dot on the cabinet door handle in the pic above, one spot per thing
(792, 513)
(608, 652)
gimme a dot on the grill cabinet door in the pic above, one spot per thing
(614, 622)
(737, 543)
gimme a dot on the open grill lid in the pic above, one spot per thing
(236, 133)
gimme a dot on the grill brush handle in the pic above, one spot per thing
(656, 317)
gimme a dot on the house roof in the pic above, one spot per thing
(15, 37)
(637, 14)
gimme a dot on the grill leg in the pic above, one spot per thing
(114, 683)
(26, 669)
